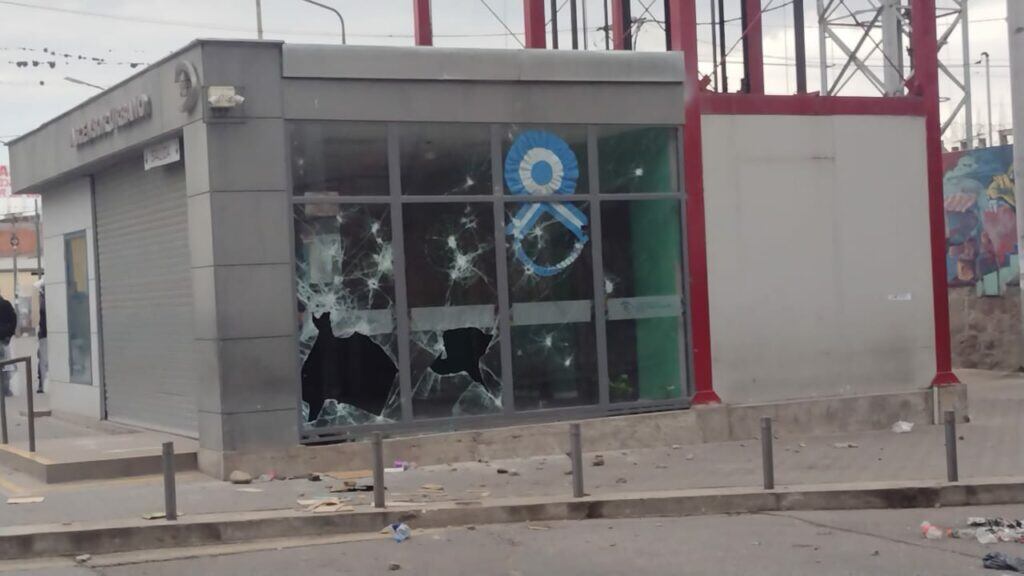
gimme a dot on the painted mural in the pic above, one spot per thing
(981, 220)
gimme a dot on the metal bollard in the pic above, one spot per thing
(952, 470)
(378, 470)
(170, 492)
(29, 393)
(767, 458)
(3, 417)
(576, 455)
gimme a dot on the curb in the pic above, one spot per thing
(22, 542)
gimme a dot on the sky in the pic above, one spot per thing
(123, 33)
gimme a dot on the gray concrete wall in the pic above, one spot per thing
(68, 208)
(819, 264)
(47, 153)
(239, 211)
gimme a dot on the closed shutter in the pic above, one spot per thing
(146, 296)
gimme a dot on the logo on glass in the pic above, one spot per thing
(542, 164)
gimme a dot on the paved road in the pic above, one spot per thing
(812, 544)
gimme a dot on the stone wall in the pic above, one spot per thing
(986, 331)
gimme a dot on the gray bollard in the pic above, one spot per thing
(767, 458)
(377, 444)
(3, 416)
(29, 393)
(170, 492)
(952, 470)
(576, 454)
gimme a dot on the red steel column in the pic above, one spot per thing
(423, 25)
(533, 17)
(618, 26)
(925, 82)
(755, 47)
(683, 25)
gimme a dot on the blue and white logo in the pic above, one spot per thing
(542, 164)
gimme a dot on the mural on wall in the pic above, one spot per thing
(981, 219)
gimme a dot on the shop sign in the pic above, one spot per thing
(5, 182)
(162, 153)
(118, 117)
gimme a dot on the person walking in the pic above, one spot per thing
(42, 357)
(8, 325)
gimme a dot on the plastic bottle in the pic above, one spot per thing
(400, 532)
(930, 531)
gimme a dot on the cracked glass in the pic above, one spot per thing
(455, 357)
(554, 354)
(346, 292)
(445, 160)
(638, 160)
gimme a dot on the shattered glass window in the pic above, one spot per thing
(554, 356)
(455, 359)
(643, 284)
(637, 160)
(346, 292)
(445, 159)
(339, 159)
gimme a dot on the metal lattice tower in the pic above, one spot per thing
(869, 39)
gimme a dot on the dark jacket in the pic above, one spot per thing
(8, 319)
(41, 332)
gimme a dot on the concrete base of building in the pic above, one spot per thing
(715, 423)
(97, 457)
(109, 537)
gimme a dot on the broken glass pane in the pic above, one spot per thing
(455, 359)
(345, 287)
(446, 159)
(339, 158)
(636, 160)
(642, 255)
(551, 287)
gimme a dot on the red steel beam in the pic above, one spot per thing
(533, 17)
(424, 28)
(925, 83)
(683, 27)
(755, 47)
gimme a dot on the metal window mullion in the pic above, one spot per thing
(501, 275)
(398, 266)
(598, 267)
(687, 326)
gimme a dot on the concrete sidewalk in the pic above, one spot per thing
(989, 448)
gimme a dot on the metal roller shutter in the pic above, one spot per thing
(146, 296)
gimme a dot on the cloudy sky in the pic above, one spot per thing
(127, 32)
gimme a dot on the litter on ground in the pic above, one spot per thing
(26, 499)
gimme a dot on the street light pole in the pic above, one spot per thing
(259, 19)
(336, 13)
(988, 94)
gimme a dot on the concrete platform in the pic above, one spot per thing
(69, 539)
(97, 456)
(705, 424)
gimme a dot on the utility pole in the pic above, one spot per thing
(586, 43)
(988, 97)
(575, 25)
(554, 24)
